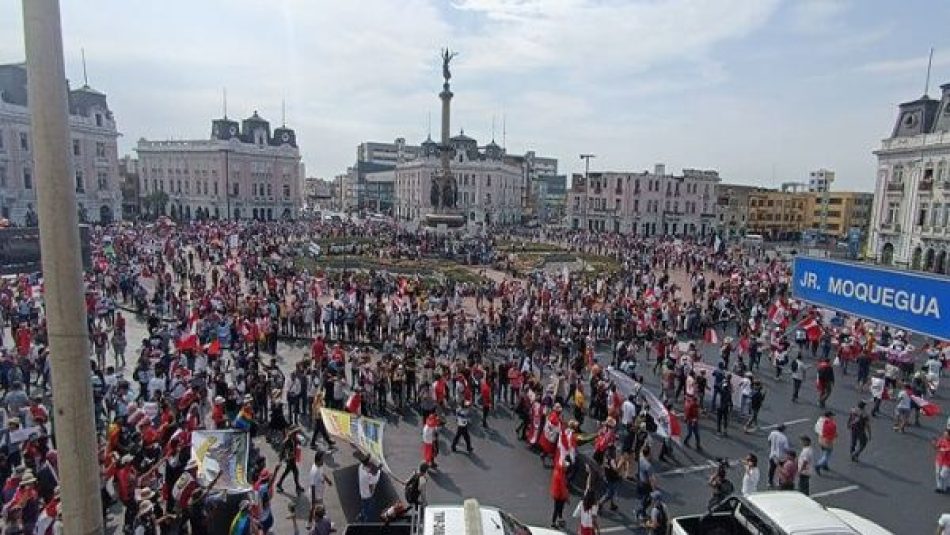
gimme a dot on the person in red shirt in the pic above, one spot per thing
(486, 395)
(126, 480)
(691, 415)
(318, 351)
(828, 432)
(943, 462)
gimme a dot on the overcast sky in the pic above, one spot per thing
(762, 90)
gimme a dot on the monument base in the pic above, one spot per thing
(444, 222)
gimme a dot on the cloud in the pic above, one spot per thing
(904, 65)
(816, 16)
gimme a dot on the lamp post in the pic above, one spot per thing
(74, 426)
(586, 158)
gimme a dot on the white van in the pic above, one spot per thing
(775, 513)
(470, 518)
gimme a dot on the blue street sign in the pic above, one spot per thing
(913, 301)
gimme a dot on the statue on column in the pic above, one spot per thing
(446, 58)
(435, 196)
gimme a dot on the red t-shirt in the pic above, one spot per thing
(943, 451)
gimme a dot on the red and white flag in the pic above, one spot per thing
(711, 337)
(811, 328)
(927, 408)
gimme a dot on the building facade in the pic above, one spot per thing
(732, 208)
(489, 183)
(244, 171)
(646, 204)
(93, 152)
(129, 183)
(549, 194)
(820, 180)
(845, 210)
(777, 215)
(534, 170)
(362, 192)
(910, 221)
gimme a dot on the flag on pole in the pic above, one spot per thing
(927, 408)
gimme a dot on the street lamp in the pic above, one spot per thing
(586, 158)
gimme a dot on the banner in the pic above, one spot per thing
(364, 433)
(664, 426)
(223, 452)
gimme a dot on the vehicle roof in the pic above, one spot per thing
(798, 514)
(859, 523)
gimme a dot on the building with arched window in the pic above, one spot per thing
(910, 221)
(93, 153)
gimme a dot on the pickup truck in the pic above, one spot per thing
(774, 513)
(469, 518)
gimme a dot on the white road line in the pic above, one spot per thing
(615, 529)
(832, 492)
(788, 423)
(688, 469)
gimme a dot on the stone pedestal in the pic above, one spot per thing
(443, 223)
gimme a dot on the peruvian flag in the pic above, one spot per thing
(711, 337)
(188, 339)
(927, 408)
(676, 430)
(777, 313)
(811, 328)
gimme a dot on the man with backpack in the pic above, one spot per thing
(415, 489)
(657, 521)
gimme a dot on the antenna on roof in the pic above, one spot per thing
(224, 97)
(429, 124)
(283, 112)
(492, 128)
(85, 76)
(930, 62)
(504, 132)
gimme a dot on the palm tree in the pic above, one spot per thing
(155, 203)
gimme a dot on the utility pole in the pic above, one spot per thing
(62, 270)
(586, 158)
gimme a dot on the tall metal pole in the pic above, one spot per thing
(62, 270)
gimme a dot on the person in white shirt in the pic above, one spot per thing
(877, 391)
(806, 464)
(368, 478)
(750, 479)
(318, 483)
(778, 447)
(628, 411)
(943, 524)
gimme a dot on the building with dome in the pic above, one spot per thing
(94, 155)
(490, 183)
(244, 170)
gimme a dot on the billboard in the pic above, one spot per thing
(912, 301)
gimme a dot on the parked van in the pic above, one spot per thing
(469, 518)
(775, 513)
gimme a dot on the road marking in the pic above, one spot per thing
(786, 424)
(615, 529)
(689, 469)
(832, 492)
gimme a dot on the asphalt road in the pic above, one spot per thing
(892, 485)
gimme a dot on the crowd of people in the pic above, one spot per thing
(567, 352)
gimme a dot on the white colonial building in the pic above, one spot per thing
(489, 183)
(910, 219)
(645, 204)
(93, 151)
(242, 172)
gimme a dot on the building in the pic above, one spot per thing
(93, 154)
(489, 183)
(243, 171)
(846, 210)
(320, 194)
(375, 157)
(549, 197)
(777, 215)
(820, 180)
(644, 203)
(534, 168)
(129, 184)
(732, 208)
(910, 221)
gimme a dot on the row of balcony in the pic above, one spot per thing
(924, 186)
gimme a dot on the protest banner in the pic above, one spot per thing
(223, 452)
(666, 424)
(364, 433)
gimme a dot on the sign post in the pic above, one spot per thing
(918, 302)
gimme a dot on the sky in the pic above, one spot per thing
(764, 91)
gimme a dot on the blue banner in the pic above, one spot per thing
(912, 301)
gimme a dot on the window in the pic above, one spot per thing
(100, 149)
(269, 191)
(179, 186)
(254, 189)
(488, 181)
(636, 205)
(80, 183)
(286, 191)
(3, 177)
(99, 119)
(215, 184)
(102, 181)
(935, 214)
(77, 148)
(1, 139)
(922, 215)
(24, 141)
(236, 189)
(154, 184)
